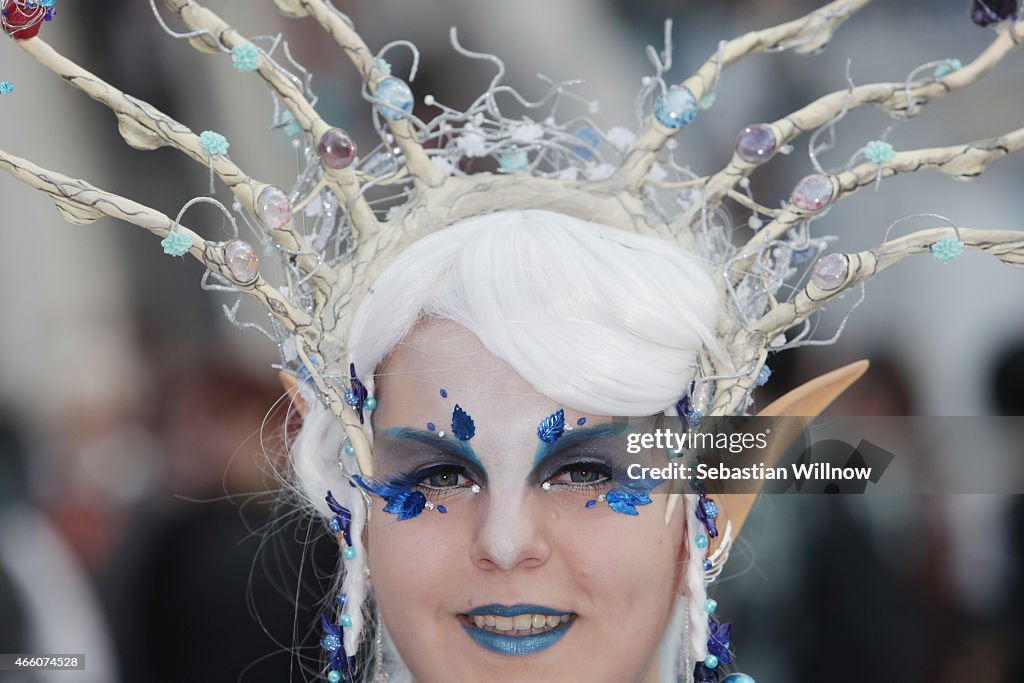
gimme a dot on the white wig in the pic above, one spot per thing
(600, 320)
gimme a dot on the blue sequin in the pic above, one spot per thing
(676, 108)
(580, 422)
(245, 57)
(442, 509)
(213, 143)
(462, 424)
(431, 426)
(552, 427)
(177, 243)
(591, 503)
(394, 98)
(444, 393)
(947, 249)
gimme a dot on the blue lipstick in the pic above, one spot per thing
(508, 645)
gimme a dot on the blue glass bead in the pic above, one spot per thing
(334, 677)
(988, 12)
(708, 565)
(591, 503)
(701, 541)
(711, 662)
(334, 525)
(442, 509)
(349, 553)
(394, 98)
(349, 449)
(582, 421)
(710, 606)
(370, 403)
(345, 620)
(676, 108)
(330, 642)
(431, 426)
(738, 678)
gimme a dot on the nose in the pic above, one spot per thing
(510, 534)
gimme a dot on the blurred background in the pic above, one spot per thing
(140, 431)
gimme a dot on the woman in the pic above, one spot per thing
(464, 359)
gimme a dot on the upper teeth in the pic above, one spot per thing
(521, 622)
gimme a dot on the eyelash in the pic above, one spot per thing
(418, 480)
(604, 471)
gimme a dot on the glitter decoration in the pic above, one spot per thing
(336, 148)
(394, 98)
(245, 57)
(552, 427)
(462, 424)
(6, 87)
(988, 12)
(756, 144)
(273, 207)
(213, 143)
(177, 243)
(813, 193)
(879, 152)
(242, 262)
(947, 249)
(830, 271)
(947, 67)
(676, 108)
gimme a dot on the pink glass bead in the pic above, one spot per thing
(756, 144)
(242, 261)
(273, 207)
(337, 150)
(813, 193)
(830, 271)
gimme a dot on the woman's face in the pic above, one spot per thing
(518, 582)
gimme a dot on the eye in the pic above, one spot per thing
(581, 474)
(445, 477)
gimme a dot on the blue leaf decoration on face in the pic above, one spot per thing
(400, 499)
(462, 424)
(551, 427)
(624, 500)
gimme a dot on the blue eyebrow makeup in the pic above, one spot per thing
(569, 439)
(453, 447)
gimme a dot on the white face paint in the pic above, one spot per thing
(456, 590)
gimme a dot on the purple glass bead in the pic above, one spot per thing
(830, 271)
(337, 150)
(988, 12)
(756, 144)
(242, 261)
(813, 193)
(273, 207)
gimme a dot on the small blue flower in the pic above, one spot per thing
(245, 57)
(947, 249)
(462, 424)
(947, 67)
(6, 87)
(551, 427)
(213, 143)
(878, 152)
(177, 243)
(624, 500)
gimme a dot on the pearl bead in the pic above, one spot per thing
(710, 606)
(711, 662)
(756, 144)
(273, 207)
(349, 553)
(337, 150)
(242, 262)
(346, 621)
(350, 449)
(334, 677)
(813, 193)
(370, 403)
(701, 541)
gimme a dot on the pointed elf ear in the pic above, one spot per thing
(808, 400)
(291, 387)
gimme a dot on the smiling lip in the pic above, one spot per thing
(516, 630)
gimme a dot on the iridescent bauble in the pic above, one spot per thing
(830, 271)
(242, 261)
(273, 207)
(988, 12)
(394, 98)
(756, 144)
(813, 193)
(676, 108)
(337, 150)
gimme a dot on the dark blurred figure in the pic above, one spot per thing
(211, 584)
(13, 487)
(1008, 396)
